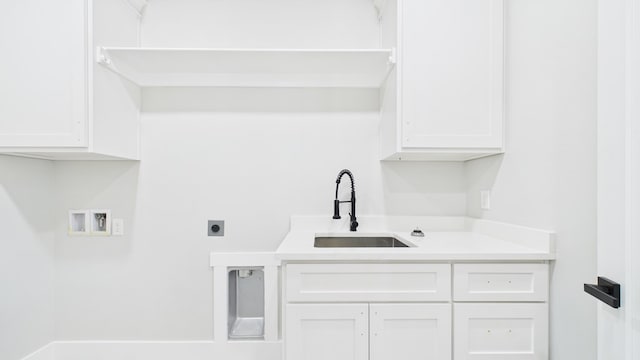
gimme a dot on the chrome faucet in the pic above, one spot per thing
(336, 203)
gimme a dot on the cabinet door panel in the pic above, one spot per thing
(327, 331)
(410, 331)
(43, 67)
(451, 55)
(501, 331)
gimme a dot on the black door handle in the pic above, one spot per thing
(606, 291)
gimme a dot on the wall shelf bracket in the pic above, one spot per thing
(392, 57)
(138, 6)
(102, 57)
(380, 6)
(391, 64)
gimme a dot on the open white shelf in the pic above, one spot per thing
(148, 67)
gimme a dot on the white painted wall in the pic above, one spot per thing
(547, 178)
(261, 24)
(251, 169)
(26, 256)
(254, 163)
(252, 157)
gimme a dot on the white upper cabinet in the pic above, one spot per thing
(56, 104)
(42, 70)
(445, 98)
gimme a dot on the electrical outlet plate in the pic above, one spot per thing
(485, 200)
(213, 225)
(117, 227)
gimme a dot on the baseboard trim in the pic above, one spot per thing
(46, 352)
(158, 350)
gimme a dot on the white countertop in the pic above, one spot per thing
(446, 239)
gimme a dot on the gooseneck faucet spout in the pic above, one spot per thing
(336, 203)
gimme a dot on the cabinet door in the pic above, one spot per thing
(43, 67)
(410, 331)
(502, 331)
(327, 332)
(451, 60)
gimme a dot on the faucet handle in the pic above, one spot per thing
(354, 225)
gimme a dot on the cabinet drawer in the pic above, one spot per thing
(500, 282)
(501, 331)
(368, 282)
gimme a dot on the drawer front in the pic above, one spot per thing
(368, 282)
(501, 331)
(500, 282)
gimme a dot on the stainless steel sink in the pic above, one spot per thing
(358, 242)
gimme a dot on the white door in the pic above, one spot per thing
(327, 332)
(619, 175)
(452, 86)
(410, 331)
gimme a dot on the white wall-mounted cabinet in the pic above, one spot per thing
(445, 98)
(57, 104)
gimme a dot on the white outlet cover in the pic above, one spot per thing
(485, 200)
(117, 227)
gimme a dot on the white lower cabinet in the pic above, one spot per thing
(374, 311)
(327, 332)
(501, 331)
(410, 331)
(363, 331)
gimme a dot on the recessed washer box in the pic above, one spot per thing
(100, 222)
